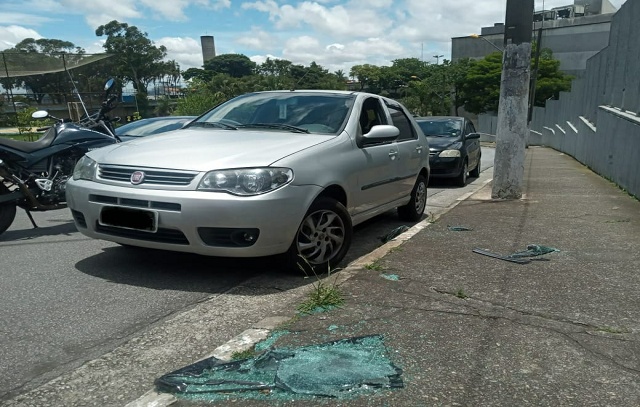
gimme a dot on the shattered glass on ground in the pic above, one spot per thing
(339, 369)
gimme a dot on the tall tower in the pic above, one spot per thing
(208, 47)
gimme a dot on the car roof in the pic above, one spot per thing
(439, 118)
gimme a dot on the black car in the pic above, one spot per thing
(454, 147)
(153, 125)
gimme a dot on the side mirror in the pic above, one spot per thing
(473, 136)
(109, 84)
(382, 133)
(40, 114)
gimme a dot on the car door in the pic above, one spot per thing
(472, 145)
(412, 150)
(376, 167)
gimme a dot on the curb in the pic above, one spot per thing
(250, 337)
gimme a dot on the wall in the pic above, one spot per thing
(597, 123)
(572, 40)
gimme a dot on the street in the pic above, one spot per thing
(67, 299)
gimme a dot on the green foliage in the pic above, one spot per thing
(43, 53)
(25, 122)
(481, 85)
(136, 59)
(234, 65)
(323, 296)
(164, 106)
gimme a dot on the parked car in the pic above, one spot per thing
(266, 173)
(20, 105)
(454, 147)
(152, 125)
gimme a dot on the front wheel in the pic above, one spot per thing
(7, 210)
(475, 173)
(323, 238)
(461, 179)
(413, 211)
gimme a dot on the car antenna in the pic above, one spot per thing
(75, 88)
(293, 88)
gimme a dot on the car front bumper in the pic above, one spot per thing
(207, 223)
(445, 167)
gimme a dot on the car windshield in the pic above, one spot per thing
(441, 127)
(298, 112)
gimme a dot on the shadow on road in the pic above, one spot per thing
(66, 228)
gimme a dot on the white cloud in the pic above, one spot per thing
(258, 39)
(13, 34)
(185, 51)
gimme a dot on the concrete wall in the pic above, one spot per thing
(572, 40)
(598, 123)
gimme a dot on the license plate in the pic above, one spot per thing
(128, 218)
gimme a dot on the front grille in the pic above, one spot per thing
(137, 203)
(161, 236)
(153, 176)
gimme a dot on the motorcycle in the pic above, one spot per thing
(33, 174)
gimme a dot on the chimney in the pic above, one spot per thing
(208, 47)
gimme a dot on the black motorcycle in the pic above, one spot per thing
(33, 175)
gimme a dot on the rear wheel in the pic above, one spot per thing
(7, 210)
(323, 238)
(413, 211)
(461, 179)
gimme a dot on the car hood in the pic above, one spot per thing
(442, 143)
(206, 149)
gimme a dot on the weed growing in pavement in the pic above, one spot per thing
(611, 330)
(323, 296)
(375, 266)
(243, 354)
(461, 294)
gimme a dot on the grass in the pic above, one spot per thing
(323, 296)
(461, 294)
(244, 354)
(611, 330)
(375, 266)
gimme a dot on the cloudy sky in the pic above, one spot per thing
(336, 34)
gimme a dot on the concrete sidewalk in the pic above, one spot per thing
(470, 330)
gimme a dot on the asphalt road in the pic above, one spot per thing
(66, 299)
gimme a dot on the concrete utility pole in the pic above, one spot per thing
(512, 128)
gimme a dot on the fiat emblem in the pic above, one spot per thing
(137, 177)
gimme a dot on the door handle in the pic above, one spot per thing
(393, 154)
(419, 149)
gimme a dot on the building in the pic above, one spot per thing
(574, 33)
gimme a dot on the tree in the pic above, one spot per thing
(550, 80)
(235, 65)
(46, 55)
(481, 85)
(137, 59)
(368, 75)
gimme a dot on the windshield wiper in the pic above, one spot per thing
(282, 126)
(213, 124)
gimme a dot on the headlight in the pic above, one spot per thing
(246, 181)
(450, 153)
(85, 168)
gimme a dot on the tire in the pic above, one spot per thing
(7, 210)
(413, 211)
(475, 173)
(313, 249)
(461, 179)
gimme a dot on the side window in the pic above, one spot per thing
(371, 115)
(470, 129)
(402, 122)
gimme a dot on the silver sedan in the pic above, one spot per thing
(266, 173)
